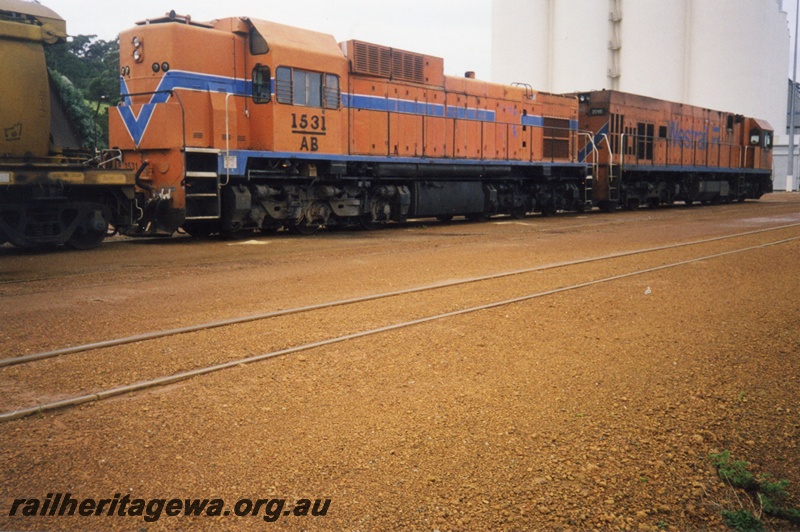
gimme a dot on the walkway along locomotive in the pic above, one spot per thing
(51, 191)
(246, 124)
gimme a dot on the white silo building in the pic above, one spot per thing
(730, 55)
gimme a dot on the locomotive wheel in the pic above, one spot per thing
(303, 228)
(269, 227)
(200, 229)
(90, 232)
(518, 213)
(236, 232)
(365, 222)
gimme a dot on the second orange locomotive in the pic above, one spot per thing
(248, 124)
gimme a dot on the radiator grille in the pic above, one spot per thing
(384, 62)
(556, 138)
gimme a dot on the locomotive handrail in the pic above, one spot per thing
(148, 93)
(227, 142)
(610, 162)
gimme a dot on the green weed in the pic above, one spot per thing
(770, 494)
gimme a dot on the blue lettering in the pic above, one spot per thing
(687, 138)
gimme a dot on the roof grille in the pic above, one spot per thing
(384, 62)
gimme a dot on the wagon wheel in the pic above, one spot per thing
(90, 232)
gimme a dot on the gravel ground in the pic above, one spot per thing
(590, 409)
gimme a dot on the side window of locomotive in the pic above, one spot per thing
(261, 81)
(283, 85)
(307, 88)
(767, 140)
(333, 95)
(644, 141)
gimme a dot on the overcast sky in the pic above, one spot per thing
(460, 32)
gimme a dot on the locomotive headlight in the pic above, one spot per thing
(136, 42)
(137, 55)
(165, 66)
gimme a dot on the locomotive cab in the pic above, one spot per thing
(761, 138)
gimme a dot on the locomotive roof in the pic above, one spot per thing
(631, 99)
(297, 38)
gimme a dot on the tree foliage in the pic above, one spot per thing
(86, 72)
(91, 64)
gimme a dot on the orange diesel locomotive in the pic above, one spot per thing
(247, 124)
(650, 152)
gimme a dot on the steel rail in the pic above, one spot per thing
(181, 376)
(350, 301)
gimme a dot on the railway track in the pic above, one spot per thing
(570, 222)
(416, 310)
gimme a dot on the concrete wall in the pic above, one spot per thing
(730, 55)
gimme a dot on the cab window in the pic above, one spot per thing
(294, 86)
(261, 84)
(283, 85)
(333, 96)
(307, 88)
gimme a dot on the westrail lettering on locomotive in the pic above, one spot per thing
(688, 138)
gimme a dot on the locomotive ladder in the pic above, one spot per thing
(614, 176)
(614, 173)
(203, 201)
